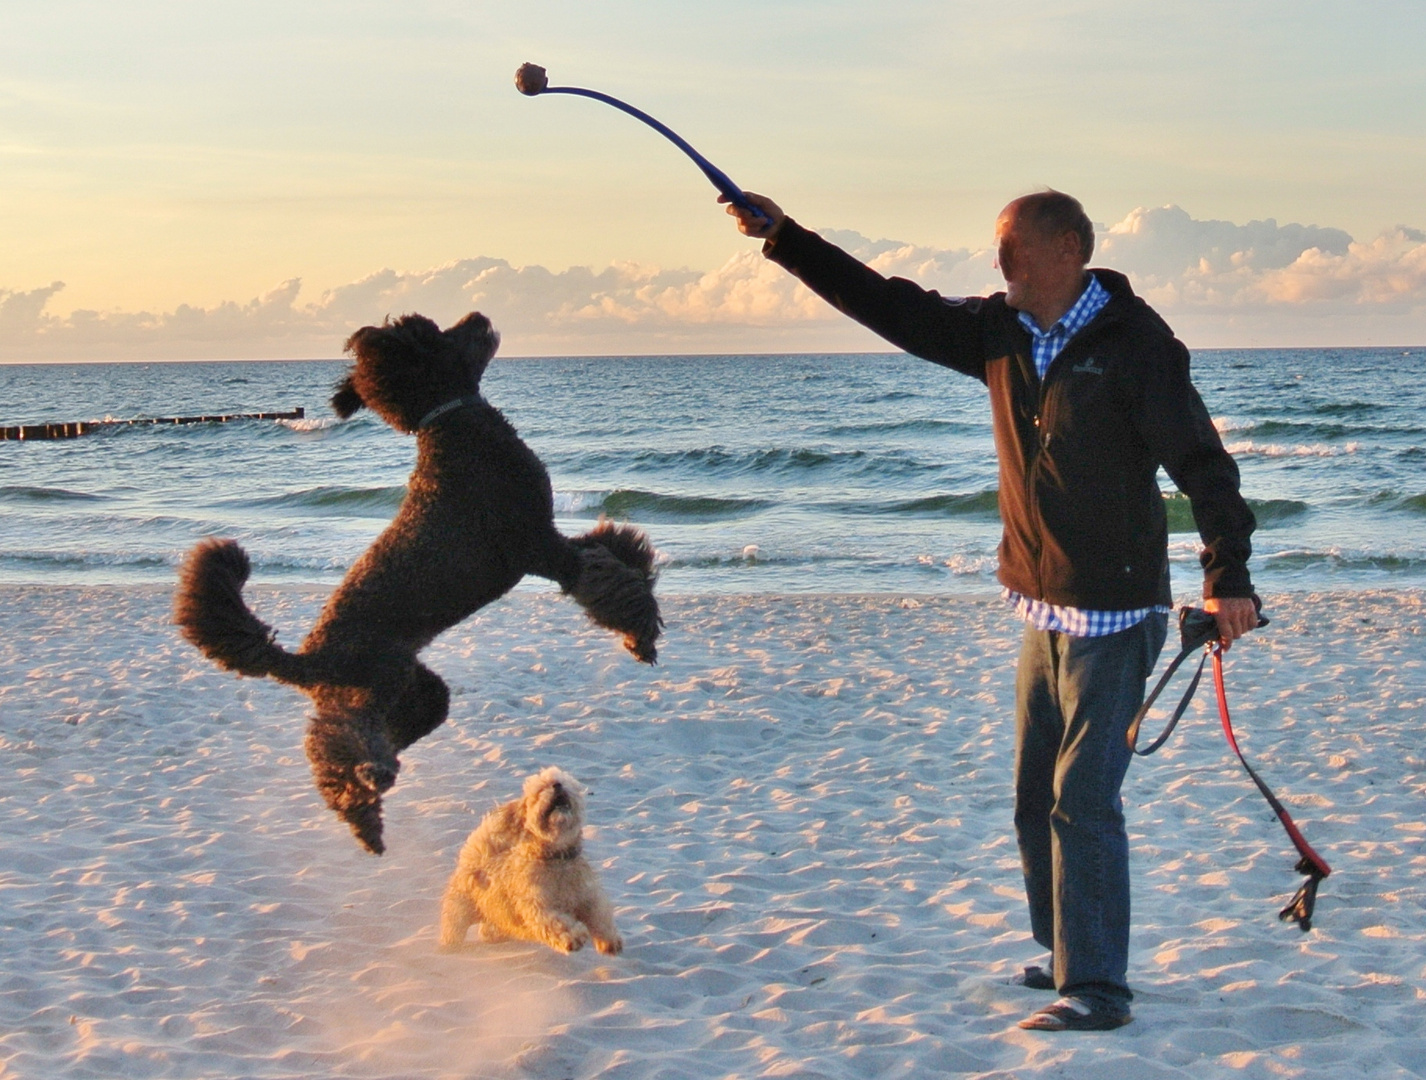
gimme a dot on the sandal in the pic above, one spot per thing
(1072, 1014)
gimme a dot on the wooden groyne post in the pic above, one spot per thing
(26, 432)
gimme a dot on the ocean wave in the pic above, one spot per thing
(131, 429)
(1395, 500)
(1346, 408)
(312, 423)
(332, 500)
(651, 506)
(795, 459)
(1341, 559)
(753, 557)
(985, 505)
(1267, 511)
(1268, 429)
(758, 558)
(1336, 559)
(578, 503)
(720, 461)
(1270, 511)
(287, 562)
(41, 563)
(1226, 424)
(972, 565)
(1248, 448)
(978, 504)
(924, 426)
(70, 560)
(730, 559)
(20, 493)
(1321, 429)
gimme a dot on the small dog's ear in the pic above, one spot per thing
(346, 400)
(475, 332)
(476, 339)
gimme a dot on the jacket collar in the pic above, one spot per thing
(1124, 303)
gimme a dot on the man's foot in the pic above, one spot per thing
(1072, 1014)
(1035, 977)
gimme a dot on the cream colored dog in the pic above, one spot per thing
(522, 874)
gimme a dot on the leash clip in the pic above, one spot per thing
(1299, 908)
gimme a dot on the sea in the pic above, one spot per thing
(752, 474)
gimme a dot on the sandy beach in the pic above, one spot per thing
(802, 816)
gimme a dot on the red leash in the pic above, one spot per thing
(1198, 629)
(1299, 909)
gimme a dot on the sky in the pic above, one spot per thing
(228, 180)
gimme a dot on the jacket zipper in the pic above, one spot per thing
(1032, 465)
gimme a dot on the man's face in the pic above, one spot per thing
(1034, 265)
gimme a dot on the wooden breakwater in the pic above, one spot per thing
(27, 432)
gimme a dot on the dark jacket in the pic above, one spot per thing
(1083, 517)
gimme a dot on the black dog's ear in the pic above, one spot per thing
(346, 400)
(474, 332)
(477, 341)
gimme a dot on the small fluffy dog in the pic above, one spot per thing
(522, 874)
(477, 517)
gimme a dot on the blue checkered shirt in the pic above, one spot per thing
(1045, 345)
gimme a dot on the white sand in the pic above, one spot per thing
(803, 818)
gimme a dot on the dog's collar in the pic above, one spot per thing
(565, 855)
(441, 410)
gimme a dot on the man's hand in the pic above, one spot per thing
(1235, 615)
(749, 224)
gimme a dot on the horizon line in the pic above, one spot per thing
(1408, 348)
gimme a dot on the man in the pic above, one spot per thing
(1089, 395)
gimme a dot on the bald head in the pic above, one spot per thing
(1043, 243)
(1052, 214)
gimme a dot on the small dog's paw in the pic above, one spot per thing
(610, 946)
(569, 936)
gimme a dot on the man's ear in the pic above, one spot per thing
(346, 400)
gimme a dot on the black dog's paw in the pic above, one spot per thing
(365, 822)
(378, 777)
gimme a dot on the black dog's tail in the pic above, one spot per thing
(209, 609)
(616, 585)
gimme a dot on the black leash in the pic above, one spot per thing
(1199, 630)
(1196, 629)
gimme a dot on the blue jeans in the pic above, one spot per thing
(1074, 700)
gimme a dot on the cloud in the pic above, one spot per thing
(28, 332)
(21, 312)
(1177, 261)
(1159, 245)
(1218, 283)
(1270, 284)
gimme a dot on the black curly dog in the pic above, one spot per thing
(477, 517)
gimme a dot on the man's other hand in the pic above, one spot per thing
(749, 224)
(1235, 615)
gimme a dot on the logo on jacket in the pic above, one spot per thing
(1088, 366)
